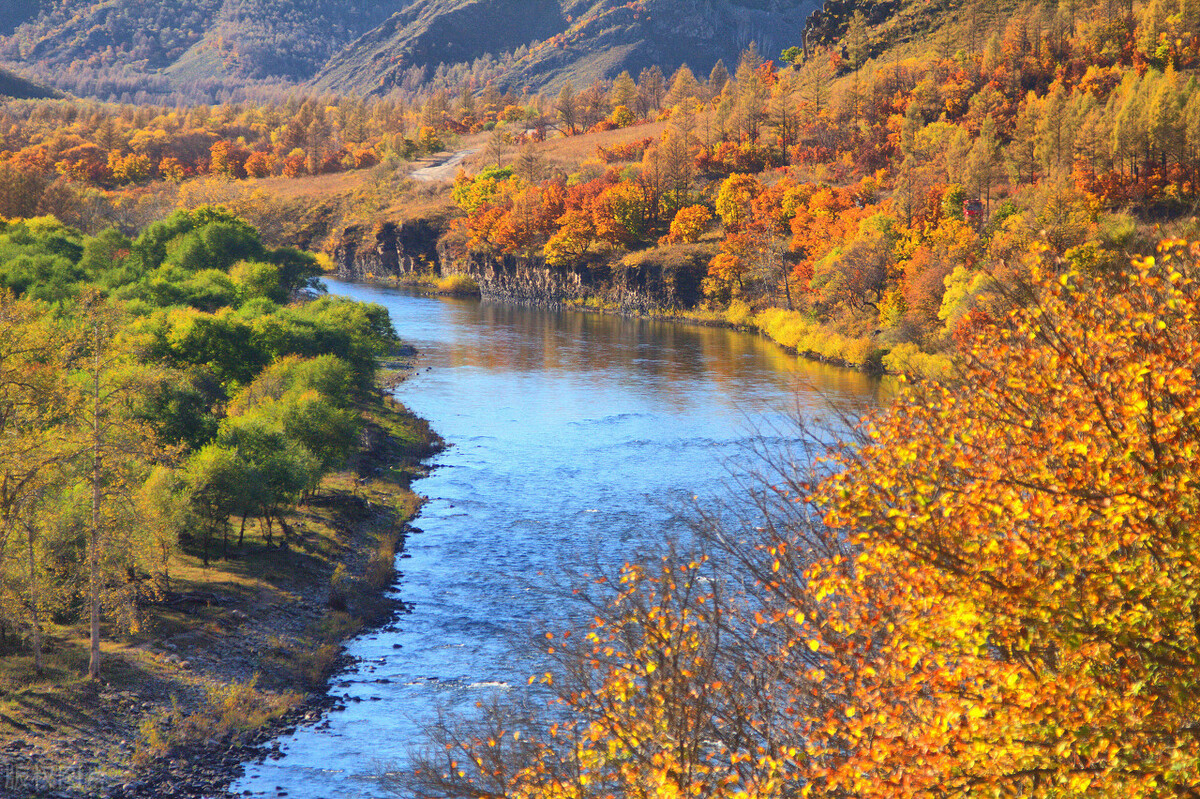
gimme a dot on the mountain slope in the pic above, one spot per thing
(197, 49)
(580, 42)
(432, 32)
(663, 33)
(13, 85)
(233, 42)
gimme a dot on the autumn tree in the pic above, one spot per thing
(684, 87)
(624, 91)
(688, 225)
(114, 446)
(1008, 656)
(33, 411)
(733, 200)
(566, 108)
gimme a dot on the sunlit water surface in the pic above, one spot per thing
(575, 438)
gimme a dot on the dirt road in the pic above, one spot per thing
(444, 167)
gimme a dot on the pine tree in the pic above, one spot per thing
(984, 162)
(1126, 108)
(1191, 132)
(751, 106)
(1093, 135)
(683, 87)
(624, 91)
(1054, 131)
(1164, 118)
(717, 78)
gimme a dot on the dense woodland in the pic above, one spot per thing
(152, 392)
(987, 589)
(879, 207)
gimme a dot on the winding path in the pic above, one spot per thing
(443, 168)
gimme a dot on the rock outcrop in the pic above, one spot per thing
(633, 285)
(387, 249)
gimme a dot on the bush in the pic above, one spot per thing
(456, 284)
(229, 711)
(907, 358)
(738, 313)
(806, 337)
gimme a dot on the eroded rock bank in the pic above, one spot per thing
(662, 280)
(387, 249)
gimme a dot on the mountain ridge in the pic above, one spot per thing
(208, 50)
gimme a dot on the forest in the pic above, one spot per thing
(153, 390)
(858, 204)
(984, 589)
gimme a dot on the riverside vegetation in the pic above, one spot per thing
(854, 202)
(987, 589)
(203, 493)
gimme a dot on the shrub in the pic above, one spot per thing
(457, 284)
(907, 358)
(229, 711)
(738, 313)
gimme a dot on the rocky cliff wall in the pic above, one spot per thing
(387, 249)
(630, 286)
(662, 279)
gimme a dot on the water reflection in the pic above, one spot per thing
(660, 357)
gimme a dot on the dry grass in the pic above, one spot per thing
(576, 149)
(311, 185)
(456, 284)
(416, 200)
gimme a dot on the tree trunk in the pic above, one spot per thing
(787, 286)
(33, 602)
(94, 539)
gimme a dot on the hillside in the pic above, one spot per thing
(104, 49)
(210, 50)
(581, 41)
(13, 85)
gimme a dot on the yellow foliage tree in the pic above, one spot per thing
(688, 225)
(993, 594)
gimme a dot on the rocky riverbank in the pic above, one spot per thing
(234, 655)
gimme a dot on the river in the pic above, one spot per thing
(574, 438)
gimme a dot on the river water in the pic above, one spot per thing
(574, 439)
